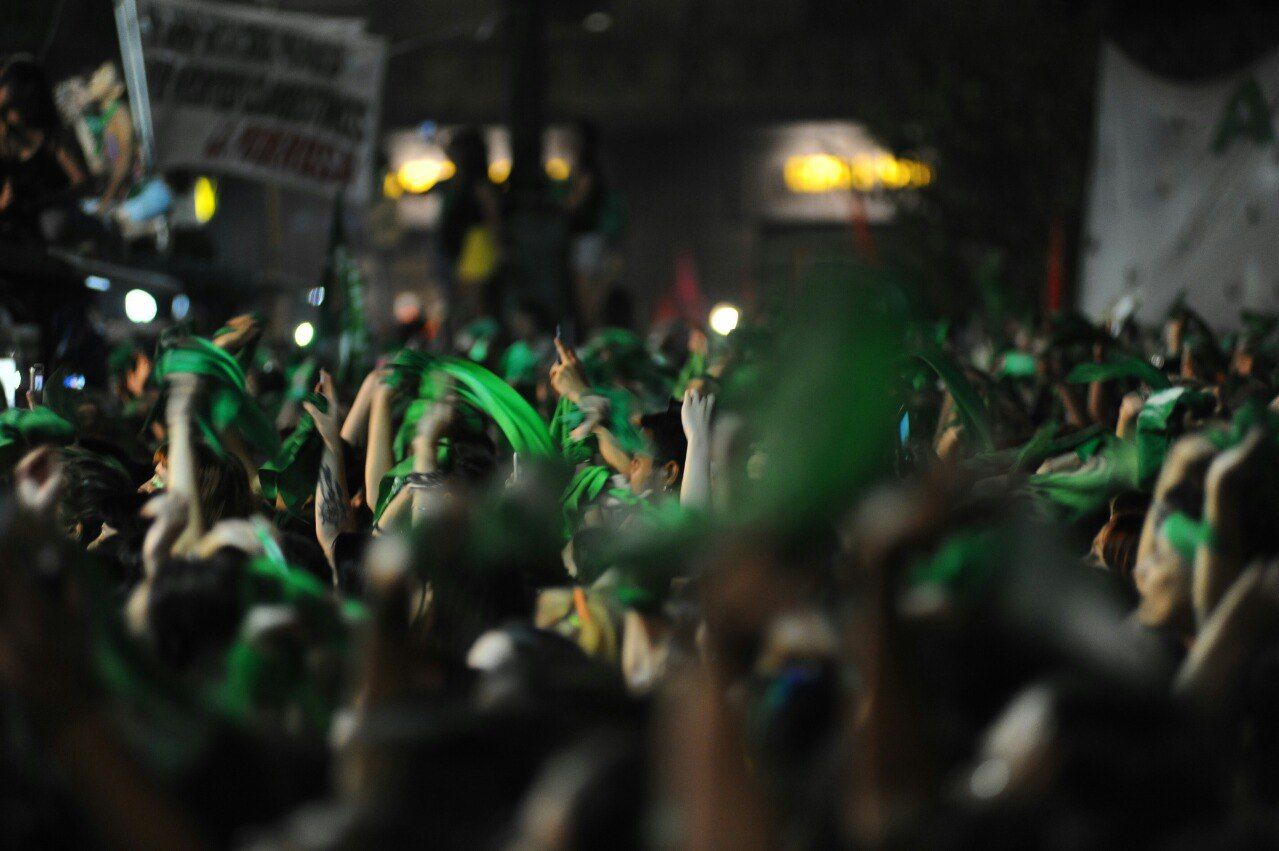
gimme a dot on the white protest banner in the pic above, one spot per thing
(1185, 193)
(285, 98)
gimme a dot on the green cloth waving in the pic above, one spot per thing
(229, 402)
(482, 390)
(290, 474)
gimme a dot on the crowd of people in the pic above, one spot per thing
(840, 577)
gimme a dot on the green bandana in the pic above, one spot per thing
(229, 402)
(1186, 535)
(1082, 492)
(482, 390)
(968, 404)
(1119, 367)
(290, 474)
(520, 364)
(22, 430)
(962, 566)
(1160, 422)
(567, 417)
(1015, 364)
(587, 484)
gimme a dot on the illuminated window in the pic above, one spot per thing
(818, 173)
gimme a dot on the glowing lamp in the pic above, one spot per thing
(303, 334)
(499, 170)
(724, 318)
(206, 199)
(557, 168)
(418, 176)
(140, 306)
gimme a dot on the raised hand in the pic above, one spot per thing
(437, 420)
(326, 422)
(240, 331)
(695, 414)
(1238, 481)
(568, 379)
(38, 480)
(135, 379)
(168, 515)
(594, 409)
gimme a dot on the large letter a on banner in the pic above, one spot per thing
(1247, 114)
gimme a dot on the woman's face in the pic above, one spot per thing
(157, 482)
(640, 476)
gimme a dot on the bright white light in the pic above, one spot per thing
(140, 306)
(304, 334)
(315, 296)
(98, 283)
(10, 378)
(597, 22)
(180, 306)
(724, 317)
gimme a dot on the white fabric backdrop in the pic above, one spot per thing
(1176, 204)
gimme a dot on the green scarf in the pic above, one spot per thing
(229, 402)
(482, 390)
(519, 364)
(962, 566)
(1129, 366)
(1016, 364)
(22, 430)
(1186, 535)
(1079, 493)
(586, 485)
(1160, 422)
(968, 404)
(291, 472)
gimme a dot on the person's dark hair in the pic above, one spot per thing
(195, 607)
(303, 552)
(1129, 501)
(665, 433)
(96, 490)
(223, 485)
(348, 555)
(29, 93)
(1117, 544)
(473, 457)
(121, 555)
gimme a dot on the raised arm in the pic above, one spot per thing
(380, 455)
(1232, 483)
(612, 452)
(331, 503)
(695, 489)
(182, 475)
(355, 428)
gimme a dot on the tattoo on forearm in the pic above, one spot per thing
(332, 499)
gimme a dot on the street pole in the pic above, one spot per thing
(537, 233)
